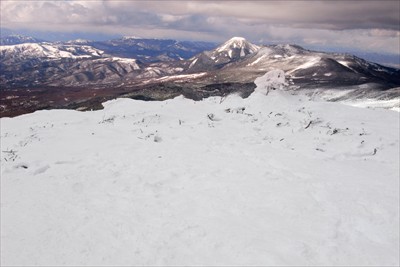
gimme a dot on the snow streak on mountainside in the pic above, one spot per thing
(273, 179)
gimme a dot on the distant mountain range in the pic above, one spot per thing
(159, 69)
(146, 50)
(18, 39)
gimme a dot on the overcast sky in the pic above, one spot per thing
(365, 25)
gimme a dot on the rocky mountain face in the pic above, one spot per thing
(315, 69)
(159, 69)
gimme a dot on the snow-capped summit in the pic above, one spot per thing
(78, 41)
(232, 50)
(238, 43)
(131, 37)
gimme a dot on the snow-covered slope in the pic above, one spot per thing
(315, 68)
(58, 64)
(236, 45)
(47, 50)
(92, 71)
(274, 179)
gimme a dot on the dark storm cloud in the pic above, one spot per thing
(192, 22)
(338, 15)
(375, 23)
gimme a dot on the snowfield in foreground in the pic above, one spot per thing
(270, 180)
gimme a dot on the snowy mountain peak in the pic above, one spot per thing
(233, 49)
(237, 39)
(78, 41)
(238, 43)
(131, 37)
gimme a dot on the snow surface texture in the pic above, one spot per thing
(269, 180)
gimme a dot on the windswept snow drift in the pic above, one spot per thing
(268, 180)
(272, 80)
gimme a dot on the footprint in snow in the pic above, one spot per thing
(21, 166)
(41, 170)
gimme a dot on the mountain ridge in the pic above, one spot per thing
(82, 65)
